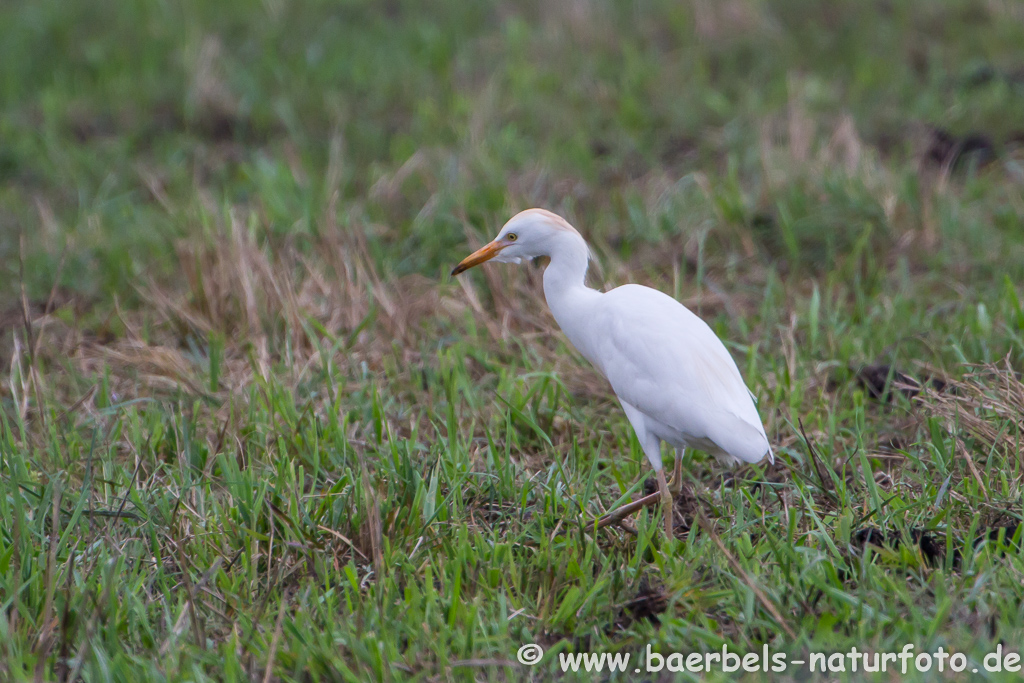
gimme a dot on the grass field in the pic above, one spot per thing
(250, 429)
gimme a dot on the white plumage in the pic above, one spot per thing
(667, 364)
(675, 379)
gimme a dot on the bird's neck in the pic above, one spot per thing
(565, 286)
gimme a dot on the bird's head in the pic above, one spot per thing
(528, 234)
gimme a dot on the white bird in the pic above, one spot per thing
(675, 379)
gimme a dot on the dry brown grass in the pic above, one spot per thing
(287, 310)
(985, 406)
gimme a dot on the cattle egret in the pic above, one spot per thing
(675, 379)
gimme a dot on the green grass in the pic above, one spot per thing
(252, 427)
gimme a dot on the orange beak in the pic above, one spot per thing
(485, 253)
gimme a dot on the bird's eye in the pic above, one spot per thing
(511, 237)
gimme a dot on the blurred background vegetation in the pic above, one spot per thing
(123, 131)
(250, 428)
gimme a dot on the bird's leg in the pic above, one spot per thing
(625, 510)
(662, 495)
(666, 502)
(675, 484)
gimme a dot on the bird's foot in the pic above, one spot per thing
(623, 511)
(662, 495)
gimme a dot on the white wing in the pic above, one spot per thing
(665, 361)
